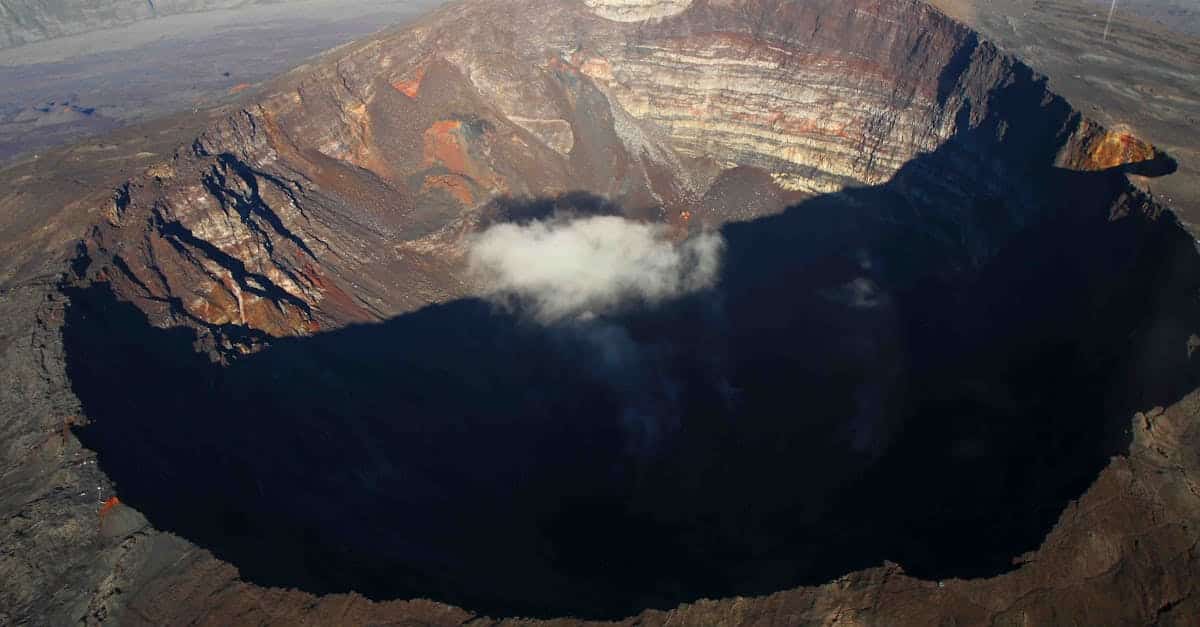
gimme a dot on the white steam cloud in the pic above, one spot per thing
(573, 274)
(581, 268)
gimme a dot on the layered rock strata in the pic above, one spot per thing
(297, 212)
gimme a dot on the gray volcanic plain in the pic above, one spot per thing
(82, 84)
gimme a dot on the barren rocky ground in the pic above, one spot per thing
(1178, 15)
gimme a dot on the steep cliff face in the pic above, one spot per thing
(298, 210)
(947, 336)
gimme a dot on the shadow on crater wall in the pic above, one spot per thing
(859, 387)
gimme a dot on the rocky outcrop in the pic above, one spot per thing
(1093, 147)
(636, 10)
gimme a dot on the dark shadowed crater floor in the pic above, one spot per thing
(842, 397)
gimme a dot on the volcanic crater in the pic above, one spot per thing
(939, 301)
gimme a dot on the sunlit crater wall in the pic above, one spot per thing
(344, 192)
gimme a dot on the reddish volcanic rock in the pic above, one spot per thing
(648, 113)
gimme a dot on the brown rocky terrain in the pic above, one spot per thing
(944, 375)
